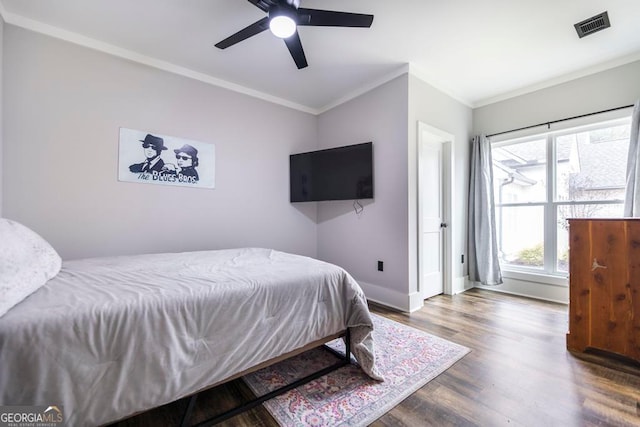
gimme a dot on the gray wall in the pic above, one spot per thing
(387, 228)
(436, 109)
(63, 106)
(357, 242)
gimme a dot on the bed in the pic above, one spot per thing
(110, 337)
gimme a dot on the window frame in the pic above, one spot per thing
(551, 203)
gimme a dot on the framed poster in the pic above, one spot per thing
(152, 158)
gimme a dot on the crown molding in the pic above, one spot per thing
(565, 78)
(408, 68)
(412, 69)
(94, 44)
(78, 39)
(421, 74)
(403, 69)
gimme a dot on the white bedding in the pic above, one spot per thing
(109, 337)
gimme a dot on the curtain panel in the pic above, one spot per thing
(484, 266)
(632, 193)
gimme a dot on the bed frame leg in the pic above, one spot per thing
(187, 413)
(345, 359)
(347, 343)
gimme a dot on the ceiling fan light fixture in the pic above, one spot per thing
(282, 26)
(284, 16)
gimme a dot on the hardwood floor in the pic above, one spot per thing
(518, 373)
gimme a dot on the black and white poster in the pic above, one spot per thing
(152, 158)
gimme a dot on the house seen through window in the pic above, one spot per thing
(542, 180)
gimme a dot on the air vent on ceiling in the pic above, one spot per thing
(593, 24)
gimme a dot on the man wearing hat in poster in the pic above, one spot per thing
(153, 147)
(187, 159)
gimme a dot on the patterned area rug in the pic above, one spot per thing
(407, 357)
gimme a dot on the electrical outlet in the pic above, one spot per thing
(380, 266)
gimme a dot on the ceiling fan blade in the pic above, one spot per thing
(295, 48)
(330, 18)
(260, 4)
(253, 29)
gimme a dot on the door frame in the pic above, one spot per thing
(429, 135)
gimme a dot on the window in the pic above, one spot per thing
(542, 180)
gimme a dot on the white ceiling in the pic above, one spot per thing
(476, 51)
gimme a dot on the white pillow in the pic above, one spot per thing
(27, 261)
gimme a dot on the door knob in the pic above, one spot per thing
(443, 225)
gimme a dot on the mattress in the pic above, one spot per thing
(110, 337)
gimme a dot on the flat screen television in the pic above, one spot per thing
(342, 173)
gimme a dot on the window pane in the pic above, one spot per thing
(579, 211)
(592, 165)
(521, 235)
(520, 172)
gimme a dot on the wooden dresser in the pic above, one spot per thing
(604, 281)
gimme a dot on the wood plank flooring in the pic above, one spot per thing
(517, 374)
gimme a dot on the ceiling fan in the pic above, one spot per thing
(284, 16)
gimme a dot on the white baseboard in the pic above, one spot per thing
(461, 284)
(407, 302)
(537, 290)
(416, 302)
(384, 296)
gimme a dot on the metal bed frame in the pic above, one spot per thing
(344, 360)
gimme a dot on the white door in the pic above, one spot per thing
(430, 220)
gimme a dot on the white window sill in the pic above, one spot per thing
(528, 276)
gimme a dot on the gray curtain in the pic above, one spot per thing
(483, 248)
(632, 194)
